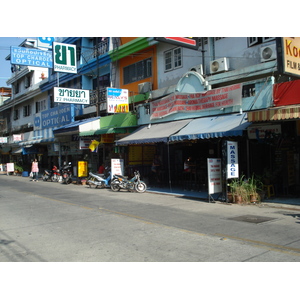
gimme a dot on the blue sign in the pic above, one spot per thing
(45, 42)
(57, 116)
(31, 57)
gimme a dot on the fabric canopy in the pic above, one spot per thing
(153, 133)
(213, 127)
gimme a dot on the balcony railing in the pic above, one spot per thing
(97, 50)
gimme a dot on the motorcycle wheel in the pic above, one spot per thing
(114, 185)
(44, 178)
(53, 179)
(141, 187)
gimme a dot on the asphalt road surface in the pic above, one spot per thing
(53, 222)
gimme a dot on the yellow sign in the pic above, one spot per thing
(82, 169)
(291, 55)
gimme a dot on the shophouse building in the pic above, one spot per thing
(187, 98)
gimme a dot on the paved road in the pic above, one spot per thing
(45, 221)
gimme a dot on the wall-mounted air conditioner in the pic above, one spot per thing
(198, 69)
(219, 65)
(268, 53)
(145, 87)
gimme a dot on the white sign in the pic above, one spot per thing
(64, 58)
(3, 140)
(65, 95)
(214, 175)
(117, 100)
(10, 167)
(117, 166)
(232, 160)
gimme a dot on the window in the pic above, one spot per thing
(138, 71)
(26, 110)
(173, 59)
(259, 40)
(40, 105)
(248, 90)
(16, 114)
(28, 81)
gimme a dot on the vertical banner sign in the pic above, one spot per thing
(232, 160)
(214, 169)
(117, 167)
(64, 58)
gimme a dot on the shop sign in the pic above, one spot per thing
(17, 137)
(56, 116)
(214, 175)
(232, 160)
(84, 143)
(117, 100)
(186, 42)
(31, 57)
(291, 55)
(107, 138)
(64, 58)
(260, 132)
(195, 102)
(82, 169)
(75, 96)
(3, 140)
(45, 42)
(117, 166)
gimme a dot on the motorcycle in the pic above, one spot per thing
(99, 180)
(67, 173)
(50, 174)
(133, 185)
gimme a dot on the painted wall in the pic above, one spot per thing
(136, 57)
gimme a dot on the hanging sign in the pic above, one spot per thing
(75, 96)
(64, 58)
(31, 57)
(232, 160)
(117, 100)
(214, 175)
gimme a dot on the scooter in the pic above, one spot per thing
(133, 185)
(50, 174)
(99, 180)
(67, 173)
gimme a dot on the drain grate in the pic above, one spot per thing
(252, 219)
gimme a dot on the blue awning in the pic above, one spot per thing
(73, 127)
(213, 127)
(153, 133)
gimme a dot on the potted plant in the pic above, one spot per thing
(254, 186)
(239, 190)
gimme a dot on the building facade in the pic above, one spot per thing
(184, 103)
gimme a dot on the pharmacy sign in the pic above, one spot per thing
(64, 58)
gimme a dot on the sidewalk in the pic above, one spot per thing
(284, 202)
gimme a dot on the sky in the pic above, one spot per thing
(5, 43)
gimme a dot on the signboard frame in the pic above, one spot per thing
(64, 58)
(214, 170)
(73, 96)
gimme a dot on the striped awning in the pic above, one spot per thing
(275, 114)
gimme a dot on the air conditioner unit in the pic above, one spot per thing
(145, 87)
(198, 69)
(268, 53)
(219, 65)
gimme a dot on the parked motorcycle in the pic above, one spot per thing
(67, 173)
(133, 185)
(51, 174)
(99, 180)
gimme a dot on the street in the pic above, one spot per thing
(52, 222)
